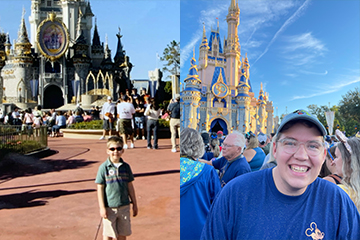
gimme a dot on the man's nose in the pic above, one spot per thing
(301, 152)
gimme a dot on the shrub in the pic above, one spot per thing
(94, 124)
(18, 146)
(163, 123)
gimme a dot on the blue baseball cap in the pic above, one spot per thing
(302, 115)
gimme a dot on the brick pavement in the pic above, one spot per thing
(55, 197)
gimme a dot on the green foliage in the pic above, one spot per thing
(94, 124)
(347, 114)
(168, 87)
(349, 106)
(163, 123)
(164, 105)
(18, 146)
(171, 56)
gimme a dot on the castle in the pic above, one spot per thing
(61, 62)
(217, 94)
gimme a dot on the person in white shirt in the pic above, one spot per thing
(108, 115)
(125, 111)
(16, 117)
(153, 113)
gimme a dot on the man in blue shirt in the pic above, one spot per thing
(232, 163)
(288, 201)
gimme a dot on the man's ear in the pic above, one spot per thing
(324, 155)
(274, 149)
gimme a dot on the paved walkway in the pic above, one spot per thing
(55, 197)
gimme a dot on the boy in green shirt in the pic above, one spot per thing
(114, 187)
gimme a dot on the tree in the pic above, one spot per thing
(349, 108)
(347, 114)
(350, 105)
(171, 56)
(168, 88)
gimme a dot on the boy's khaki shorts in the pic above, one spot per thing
(118, 222)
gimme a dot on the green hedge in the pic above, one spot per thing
(94, 124)
(22, 147)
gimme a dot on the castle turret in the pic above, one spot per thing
(243, 101)
(97, 49)
(232, 51)
(204, 48)
(7, 45)
(261, 105)
(81, 60)
(19, 88)
(107, 63)
(3, 54)
(190, 97)
(120, 53)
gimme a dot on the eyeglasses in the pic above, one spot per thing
(291, 146)
(118, 149)
(228, 145)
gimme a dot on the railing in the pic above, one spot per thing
(22, 139)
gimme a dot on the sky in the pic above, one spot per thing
(303, 52)
(147, 27)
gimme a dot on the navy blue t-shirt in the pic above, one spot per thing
(231, 170)
(251, 207)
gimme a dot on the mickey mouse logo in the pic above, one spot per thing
(111, 172)
(314, 232)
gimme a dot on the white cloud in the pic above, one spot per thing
(314, 73)
(326, 89)
(287, 23)
(293, 75)
(303, 49)
(208, 17)
(304, 42)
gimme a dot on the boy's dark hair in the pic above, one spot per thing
(115, 139)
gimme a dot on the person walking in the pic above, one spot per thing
(125, 111)
(108, 116)
(174, 109)
(153, 113)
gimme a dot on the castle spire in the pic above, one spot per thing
(22, 33)
(96, 37)
(23, 45)
(120, 53)
(233, 5)
(204, 42)
(80, 38)
(192, 80)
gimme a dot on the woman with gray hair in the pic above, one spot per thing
(199, 184)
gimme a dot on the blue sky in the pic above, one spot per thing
(147, 27)
(304, 52)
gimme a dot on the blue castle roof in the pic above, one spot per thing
(214, 35)
(217, 72)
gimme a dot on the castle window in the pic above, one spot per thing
(48, 3)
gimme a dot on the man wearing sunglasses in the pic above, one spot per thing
(287, 201)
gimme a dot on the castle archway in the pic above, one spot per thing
(53, 97)
(218, 125)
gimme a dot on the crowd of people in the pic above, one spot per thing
(134, 113)
(134, 116)
(295, 183)
(32, 119)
